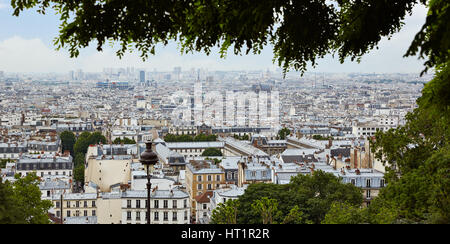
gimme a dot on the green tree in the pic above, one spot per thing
(267, 208)
(117, 141)
(96, 137)
(225, 213)
(84, 135)
(127, 140)
(81, 145)
(78, 173)
(344, 213)
(295, 216)
(417, 158)
(312, 194)
(20, 202)
(343, 27)
(209, 152)
(67, 141)
(283, 133)
(79, 159)
(9, 212)
(4, 161)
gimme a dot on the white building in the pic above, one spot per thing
(167, 207)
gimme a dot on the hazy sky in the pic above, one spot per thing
(26, 45)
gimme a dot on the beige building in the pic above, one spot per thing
(202, 176)
(74, 205)
(107, 170)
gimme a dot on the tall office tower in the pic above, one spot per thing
(71, 75)
(177, 72)
(142, 76)
(79, 74)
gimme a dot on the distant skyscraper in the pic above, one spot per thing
(177, 72)
(1, 74)
(71, 75)
(142, 76)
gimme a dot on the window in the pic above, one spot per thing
(368, 194)
(68, 213)
(185, 215)
(353, 181)
(77, 213)
(264, 173)
(85, 213)
(204, 205)
(229, 175)
(174, 204)
(93, 204)
(218, 178)
(48, 193)
(199, 186)
(199, 178)
(128, 203)
(156, 216)
(253, 173)
(156, 203)
(382, 183)
(57, 204)
(138, 203)
(93, 212)
(166, 204)
(58, 213)
(77, 204)
(68, 204)
(129, 215)
(209, 187)
(185, 203)
(166, 216)
(85, 204)
(174, 216)
(209, 178)
(368, 183)
(138, 215)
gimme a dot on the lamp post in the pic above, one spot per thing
(148, 158)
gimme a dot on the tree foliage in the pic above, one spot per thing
(343, 27)
(267, 208)
(189, 138)
(67, 141)
(306, 199)
(125, 140)
(20, 202)
(344, 213)
(283, 133)
(225, 213)
(211, 152)
(417, 157)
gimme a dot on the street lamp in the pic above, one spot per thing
(148, 158)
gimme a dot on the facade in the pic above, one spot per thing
(166, 207)
(194, 149)
(203, 207)
(74, 205)
(270, 147)
(253, 172)
(202, 176)
(45, 164)
(12, 150)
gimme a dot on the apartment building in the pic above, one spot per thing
(202, 176)
(166, 207)
(45, 164)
